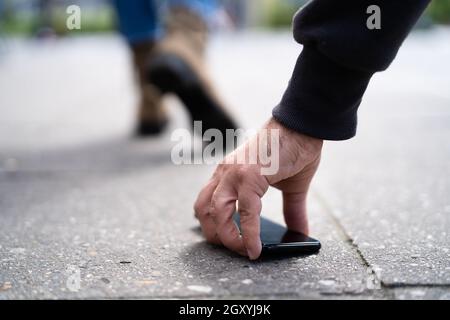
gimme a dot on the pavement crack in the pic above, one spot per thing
(416, 285)
(371, 273)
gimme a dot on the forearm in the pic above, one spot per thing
(339, 57)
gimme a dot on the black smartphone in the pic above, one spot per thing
(277, 240)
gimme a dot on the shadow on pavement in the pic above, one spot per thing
(114, 154)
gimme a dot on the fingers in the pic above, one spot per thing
(299, 157)
(295, 192)
(295, 213)
(223, 206)
(249, 210)
(202, 207)
(215, 207)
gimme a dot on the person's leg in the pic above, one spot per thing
(206, 10)
(139, 24)
(179, 66)
(138, 20)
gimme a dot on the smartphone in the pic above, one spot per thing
(277, 240)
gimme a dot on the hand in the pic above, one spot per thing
(299, 157)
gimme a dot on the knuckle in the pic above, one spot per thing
(244, 211)
(244, 207)
(247, 208)
(200, 211)
(219, 171)
(213, 209)
(219, 206)
(198, 208)
(212, 238)
(202, 215)
(217, 203)
(242, 173)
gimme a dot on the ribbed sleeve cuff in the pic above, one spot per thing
(322, 97)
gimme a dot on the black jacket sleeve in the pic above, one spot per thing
(340, 54)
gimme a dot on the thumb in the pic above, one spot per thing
(294, 210)
(295, 192)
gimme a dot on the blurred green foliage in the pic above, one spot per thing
(279, 13)
(28, 23)
(18, 24)
(272, 13)
(439, 11)
(91, 21)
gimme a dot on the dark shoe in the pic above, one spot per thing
(179, 67)
(171, 74)
(149, 128)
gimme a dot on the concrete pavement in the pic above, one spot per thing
(88, 212)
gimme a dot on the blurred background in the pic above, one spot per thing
(46, 65)
(31, 17)
(76, 187)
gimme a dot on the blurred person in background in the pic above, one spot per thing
(168, 43)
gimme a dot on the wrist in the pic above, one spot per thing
(299, 140)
